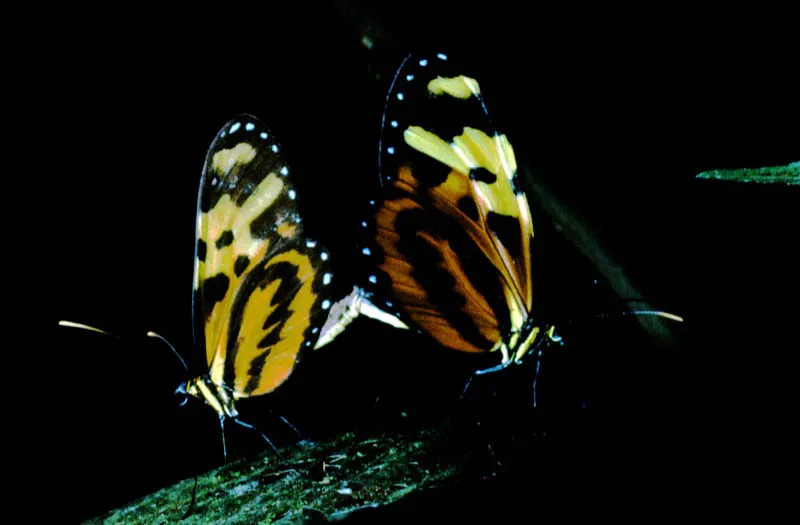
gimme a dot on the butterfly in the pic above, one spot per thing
(262, 288)
(448, 247)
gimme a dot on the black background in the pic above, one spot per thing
(616, 111)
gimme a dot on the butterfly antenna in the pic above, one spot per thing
(153, 334)
(383, 117)
(646, 313)
(81, 326)
(494, 457)
(655, 313)
(466, 387)
(538, 351)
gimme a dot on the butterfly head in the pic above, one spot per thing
(217, 397)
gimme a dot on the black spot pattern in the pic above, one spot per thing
(225, 239)
(241, 264)
(469, 208)
(508, 230)
(213, 291)
(482, 175)
(202, 249)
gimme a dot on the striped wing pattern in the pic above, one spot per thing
(259, 284)
(449, 243)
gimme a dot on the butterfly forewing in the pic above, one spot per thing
(450, 240)
(259, 283)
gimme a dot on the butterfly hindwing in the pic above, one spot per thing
(259, 284)
(450, 240)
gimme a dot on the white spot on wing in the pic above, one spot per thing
(284, 171)
(326, 279)
(315, 330)
(235, 127)
(390, 150)
(442, 56)
(292, 194)
(326, 304)
(275, 148)
(400, 96)
(250, 126)
(324, 256)
(423, 62)
(264, 135)
(311, 244)
(373, 279)
(366, 251)
(363, 224)
(409, 78)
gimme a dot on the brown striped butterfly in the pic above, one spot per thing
(448, 247)
(261, 286)
(449, 244)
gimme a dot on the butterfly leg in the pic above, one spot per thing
(288, 424)
(464, 392)
(494, 457)
(222, 429)
(277, 452)
(251, 427)
(536, 375)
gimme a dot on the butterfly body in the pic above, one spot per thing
(214, 395)
(447, 248)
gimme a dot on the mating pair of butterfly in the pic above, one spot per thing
(448, 244)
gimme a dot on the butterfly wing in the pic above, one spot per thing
(451, 238)
(259, 284)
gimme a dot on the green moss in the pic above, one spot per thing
(773, 175)
(319, 480)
